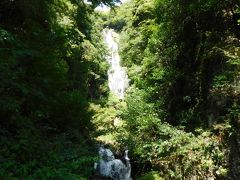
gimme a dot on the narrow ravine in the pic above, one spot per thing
(120, 89)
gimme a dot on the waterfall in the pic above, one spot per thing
(113, 168)
(108, 166)
(117, 76)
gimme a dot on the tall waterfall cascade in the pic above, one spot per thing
(108, 166)
(117, 76)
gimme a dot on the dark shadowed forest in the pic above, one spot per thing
(180, 115)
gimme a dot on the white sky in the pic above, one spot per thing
(105, 8)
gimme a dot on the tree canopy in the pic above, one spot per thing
(180, 115)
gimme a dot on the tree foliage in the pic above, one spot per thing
(183, 59)
(51, 66)
(180, 117)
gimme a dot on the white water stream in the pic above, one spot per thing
(117, 76)
(113, 168)
(108, 166)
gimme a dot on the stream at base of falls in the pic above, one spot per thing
(110, 167)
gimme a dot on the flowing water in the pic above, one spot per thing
(113, 168)
(117, 76)
(109, 166)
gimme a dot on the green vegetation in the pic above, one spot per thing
(182, 108)
(51, 66)
(180, 118)
(151, 176)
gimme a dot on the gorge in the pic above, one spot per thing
(155, 81)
